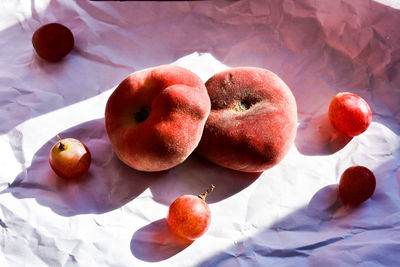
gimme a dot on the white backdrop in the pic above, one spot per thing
(289, 215)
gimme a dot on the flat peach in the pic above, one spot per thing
(155, 117)
(253, 120)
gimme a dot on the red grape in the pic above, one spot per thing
(356, 185)
(349, 114)
(70, 158)
(189, 216)
(53, 41)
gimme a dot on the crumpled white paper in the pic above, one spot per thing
(288, 215)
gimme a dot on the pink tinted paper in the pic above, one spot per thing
(289, 215)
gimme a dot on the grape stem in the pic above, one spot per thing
(204, 195)
(61, 146)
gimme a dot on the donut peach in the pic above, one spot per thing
(253, 120)
(155, 117)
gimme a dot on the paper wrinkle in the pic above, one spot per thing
(288, 215)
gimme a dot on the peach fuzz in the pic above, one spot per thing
(253, 120)
(155, 117)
